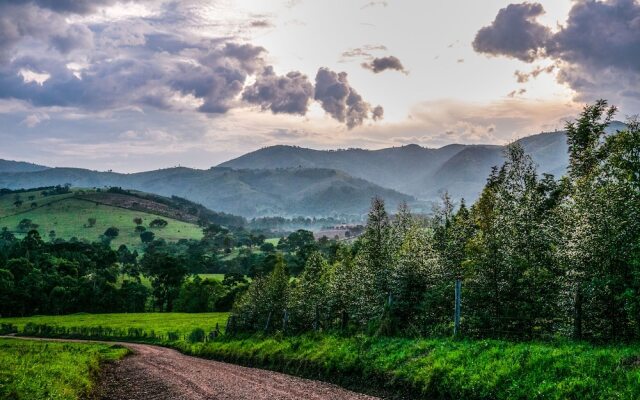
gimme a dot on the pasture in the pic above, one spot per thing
(68, 216)
(156, 326)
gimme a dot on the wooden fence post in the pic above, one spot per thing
(227, 331)
(456, 315)
(266, 327)
(285, 321)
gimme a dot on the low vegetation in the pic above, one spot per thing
(443, 368)
(395, 367)
(48, 370)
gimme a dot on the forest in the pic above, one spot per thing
(538, 257)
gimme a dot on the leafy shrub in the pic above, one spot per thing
(196, 336)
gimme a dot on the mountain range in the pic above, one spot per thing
(250, 193)
(291, 181)
(424, 173)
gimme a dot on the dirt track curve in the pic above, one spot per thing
(159, 373)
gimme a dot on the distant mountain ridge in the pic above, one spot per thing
(295, 181)
(19, 166)
(249, 193)
(422, 172)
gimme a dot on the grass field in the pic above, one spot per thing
(215, 277)
(68, 216)
(147, 282)
(158, 323)
(32, 370)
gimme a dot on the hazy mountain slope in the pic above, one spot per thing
(422, 172)
(295, 191)
(19, 166)
(382, 167)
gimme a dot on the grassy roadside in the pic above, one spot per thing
(32, 370)
(399, 368)
(443, 368)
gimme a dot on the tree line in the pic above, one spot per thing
(58, 276)
(538, 257)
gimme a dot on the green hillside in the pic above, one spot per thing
(68, 216)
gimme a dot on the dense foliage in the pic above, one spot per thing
(537, 257)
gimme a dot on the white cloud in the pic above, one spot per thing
(35, 119)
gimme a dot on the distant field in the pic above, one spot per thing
(68, 217)
(48, 370)
(216, 277)
(158, 323)
(147, 282)
(273, 241)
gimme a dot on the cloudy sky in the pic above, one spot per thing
(137, 85)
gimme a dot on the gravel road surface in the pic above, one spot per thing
(159, 373)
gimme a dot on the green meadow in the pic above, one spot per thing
(68, 217)
(31, 369)
(144, 324)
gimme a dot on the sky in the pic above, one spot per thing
(140, 85)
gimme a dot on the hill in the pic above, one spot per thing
(421, 172)
(286, 192)
(19, 166)
(67, 215)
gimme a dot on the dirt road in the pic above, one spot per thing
(158, 373)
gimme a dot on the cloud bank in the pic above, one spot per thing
(597, 50)
(145, 62)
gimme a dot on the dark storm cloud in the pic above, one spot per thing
(281, 94)
(597, 51)
(514, 32)
(340, 100)
(381, 64)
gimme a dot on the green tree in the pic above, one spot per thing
(309, 304)
(167, 274)
(147, 237)
(111, 232)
